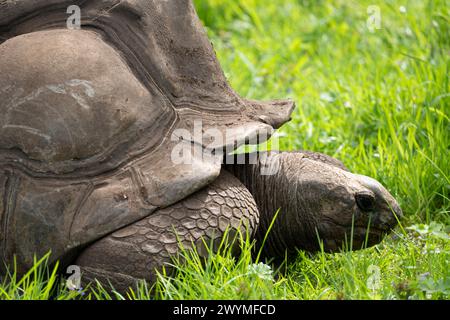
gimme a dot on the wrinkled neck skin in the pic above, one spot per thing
(294, 224)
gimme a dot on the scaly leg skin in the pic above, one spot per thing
(135, 252)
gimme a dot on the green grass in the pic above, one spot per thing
(409, 265)
(378, 101)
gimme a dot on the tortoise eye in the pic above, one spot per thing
(365, 201)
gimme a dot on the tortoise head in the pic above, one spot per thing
(344, 208)
(318, 198)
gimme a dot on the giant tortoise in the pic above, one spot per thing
(93, 121)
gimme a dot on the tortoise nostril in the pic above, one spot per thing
(397, 211)
(365, 201)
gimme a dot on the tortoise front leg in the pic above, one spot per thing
(135, 252)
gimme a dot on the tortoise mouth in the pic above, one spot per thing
(359, 228)
(377, 231)
(359, 241)
(337, 236)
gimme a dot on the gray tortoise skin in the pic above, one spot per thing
(87, 117)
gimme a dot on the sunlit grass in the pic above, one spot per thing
(409, 265)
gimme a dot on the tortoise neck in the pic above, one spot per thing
(277, 197)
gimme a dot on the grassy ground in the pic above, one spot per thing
(377, 100)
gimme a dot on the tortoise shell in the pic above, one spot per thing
(88, 117)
